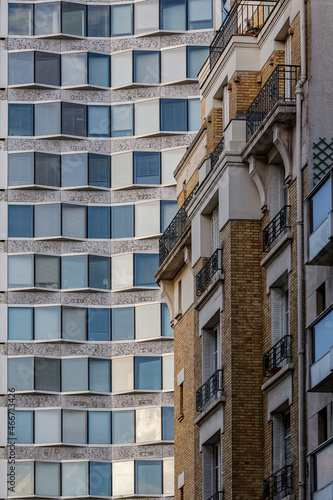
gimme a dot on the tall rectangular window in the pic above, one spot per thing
(74, 170)
(47, 18)
(100, 479)
(75, 478)
(121, 20)
(145, 267)
(20, 271)
(168, 423)
(99, 70)
(123, 427)
(74, 273)
(47, 118)
(24, 478)
(200, 14)
(20, 221)
(99, 272)
(21, 374)
(167, 330)
(20, 427)
(20, 119)
(98, 121)
(168, 211)
(99, 170)
(21, 169)
(99, 427)
(148, 477)
(196, 56)
(194, 114)
(123, 323)
(47, 271)
(47, 479)
(20, 67)
(122, 225)
(174, 115)
(20, 18)
(74, 70)
(74, 426)
(98, 21)
(47, 374)
(122, 120)
(146, 167)
(146, 66)
(74, 323)
(20, 323)
(47, 323)
(74, 374)
(74, 221)
(47, 220)
(98, 324)
(99, 375)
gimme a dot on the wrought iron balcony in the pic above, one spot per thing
(209, 270)
(215, 155)
(278, 483)
(276, 356)
(209, 391)
(217, 496)
(277, 225)
(280, 86)
(244, 18)
(175, 229)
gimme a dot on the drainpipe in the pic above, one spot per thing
(300, 266)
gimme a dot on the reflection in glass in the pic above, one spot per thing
(99, 375)
(146, 66)
(47, 18)
(47, 271)
(145, 265)
(47, 374)
(24, 479)
(20, 428)
(123, 323)
(323, 336)
(47, 323)
(74, 271)
(47, 479)
(20, 323)
(148, 477)
(47, 68)
(194, 114)
(200, 14)
(148, 425)
(122, 225)
(122, 271)
(47, 169)
(74, 374)
(21, 374)
(168, 423)
(321, 204)
(122, 374)
(20, 68)
(99, 272)
(98, 121)
(168, 382)
(167, 330)
(20, 221)
(74, 69)
(146, 167)
(48, 426)
(99, 69)
(75, 478)
(20, 18)
(74, 119)
(74, 221)
(20, 119)
(168, 211)
(73, 19)
(74, 426)
(173, 15)
(98, 324)
(20, 271)
(122, 120)
(99, 170)
(99, 222)
(123, 427)
(20, 169)
(148, 373)
(146, 17)
(98, 20)
(99, 427)
(196, 56)
(173, 63)
(121, 20)
(74, 169)
(74, 321)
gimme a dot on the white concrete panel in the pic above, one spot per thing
(187, 289)
(224, 199)
(280, 265)
(3, 20)
(211, 426)
(3, 478)
(211, 310)
(243, 207)
(181, 377)
(3, 119)
(3, 220)
(3, 273)
(3, 374)
(279, 394)
(196, 240)
(3, 428)
(181, 480)
(3, 322)
(3, 67)
(3, 170)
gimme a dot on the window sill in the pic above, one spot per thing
(278, 377)
(277, 248)
(207, 412)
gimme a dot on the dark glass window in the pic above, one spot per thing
(47, 18)
(20, 119)
(47, 68)
(47, 374)
(98, 20)
(167, 423)
(98, 324)
(122, 120)
(99, 170)
(122, 225)
(98, 121)
(146, 167)
(20, 68)
(148, 373)
(196, 56)
(148, 477)
(74, 121)
(73, 19)
(99, 222)
(20, 17)
(146, 66)
(174, 115)
(123, 427)
(100, 478)
(145, 267)
(47, 169)
(20, 221)
(99, 71)
(173, 15)
(167, 330)
(99, 272)
(121, 20)
(123, 323)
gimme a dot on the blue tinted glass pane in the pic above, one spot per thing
(47, 118)
(99, 375)
(21, 374)
(20, 169)
(146, 168)
(168, 211)
(148, 373)
(167, 423)
(145, 267)
(99, 272)
(148, 477)
(20, 119)
(323, 336)
(73, 19)
(47, 18)
(20, 221)
(20, 323)
(122, 120)
(74, 119)
(321, 204)
(122, 221)
(47, 68)
(196, 56)
(99, 70)
(194, 114)
(167, 330)
(98, 121)
(123, 323)
(74, 271)
(47, 169)
(74, 374)
(74, 170)
(99, 170)
(99, 427)
(98, 222)
(146, 66)
(20, 18)
(100, 479)
(173, 15)
(98, 324)
(98, 20)
(200, 14)
(174, 115)
(20, 68)
(123, 427)
(20, 427)
(121, 20)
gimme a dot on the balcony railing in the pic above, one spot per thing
(274, 358)
(278, 483)
(245, 18)
(280, 86)
(215, 155)
(217, 496)
(277, 225)
(209, 270)
(209, 391)
(175, 229)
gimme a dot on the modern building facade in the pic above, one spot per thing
(245, 265)
(99, 101)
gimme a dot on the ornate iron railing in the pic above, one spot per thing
(208, 271)
(274, 358)
(208, 390)
(280, 86)
(244, 18)
(215, 155)
(175, 229)
(278, 483)
(217, 496)
(277, 225)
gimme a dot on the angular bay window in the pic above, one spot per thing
(196, 56)
(99, 222)
(123, 323)
(20, 221)
(47, 374)
(168, 423)
(47, 68)
(122, 221)
(20, 19)
(122, 20)
(73, 17)
(21, 427)
(20, 119)
(173, 15)
(121, 120)
(100, 479)
(99, 69)
(174, 115)
(98, 121)
(74, 119)
(20, 67)
(74, 221)
(148, 477)
(74, 71)
(21, 374)
(145, 267)
(146, 66)
(47, 118)
(146, 167)
(47, 18)
(48, 426)
(21, 169)
(98, 21)
(47, 169)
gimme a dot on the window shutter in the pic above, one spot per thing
(276, 315)
(215, 234)
(276, 195)
(207, 458)
(207, 355)
(278, 442)
(225, 111)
